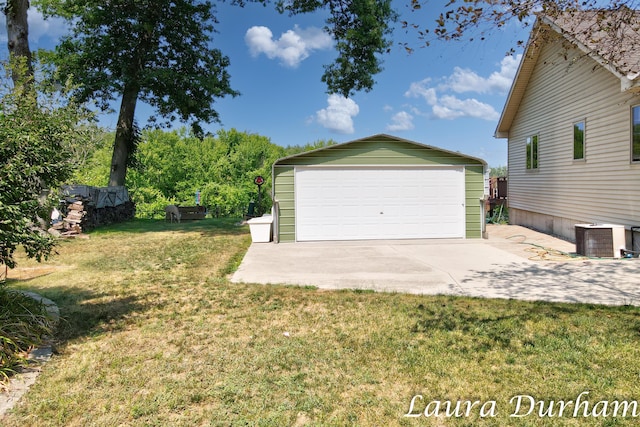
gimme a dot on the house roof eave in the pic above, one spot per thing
(519, 84)
(628, 82)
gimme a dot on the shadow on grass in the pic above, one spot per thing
(207, 226)
(86, 313)
(594, 281)
(481, 325)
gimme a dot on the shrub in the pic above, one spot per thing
(24, 323)
(150, 202)
(37, 127)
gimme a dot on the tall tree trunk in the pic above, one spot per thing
(124, 135)
(18, 38)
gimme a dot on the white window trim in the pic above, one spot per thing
(633, 161)
(529, 143)
(584, 141)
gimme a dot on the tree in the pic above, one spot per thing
(474, 19)
(18, 37)
(172, 166)
(290, 150)
(36, 126)
(158, 51)
(361, 29)
(498, 171)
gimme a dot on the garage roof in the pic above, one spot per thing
(299, 158)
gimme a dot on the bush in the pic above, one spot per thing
(229, 200)
(24, 322)
(150, 202)
(37, 127)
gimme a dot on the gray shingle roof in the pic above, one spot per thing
(611, 38)
(614, 36)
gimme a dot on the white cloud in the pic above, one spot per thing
(421, 90)
(465, 80)
(39, 27)
(338, 116)
(401, 121)
(450, 107)
(293, 46)
(444, 102)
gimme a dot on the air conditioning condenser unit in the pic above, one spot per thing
(600, 240)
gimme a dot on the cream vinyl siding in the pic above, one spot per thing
(605, 186)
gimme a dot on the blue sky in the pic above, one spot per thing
(448, 95)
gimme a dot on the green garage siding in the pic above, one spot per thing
(283, 176)
(379, 150)
(474, 189)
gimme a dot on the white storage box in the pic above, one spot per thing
(261, 228)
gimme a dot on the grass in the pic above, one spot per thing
(154, 334)
(24, 323)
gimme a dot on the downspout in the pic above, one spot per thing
(275, 207)
(276, 221)
(483, 217)
(483, 203)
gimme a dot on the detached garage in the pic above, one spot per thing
(380, 187)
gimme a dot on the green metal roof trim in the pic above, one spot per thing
(437, 155)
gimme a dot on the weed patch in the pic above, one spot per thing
(24, 323)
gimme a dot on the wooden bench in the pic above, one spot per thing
(190, 212)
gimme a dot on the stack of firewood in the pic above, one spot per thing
(114, 214)
(86, 208)
(80, 215)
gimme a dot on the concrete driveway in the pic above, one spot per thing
(514, 262)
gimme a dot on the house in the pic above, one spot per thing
(379, 187)
(572, 119)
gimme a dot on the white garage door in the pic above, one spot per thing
(359, 203)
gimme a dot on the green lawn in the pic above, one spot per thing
(154, 334)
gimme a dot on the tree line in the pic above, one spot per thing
(171, 166)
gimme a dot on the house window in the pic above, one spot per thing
(635, 134)
(578, 141)
(532, 152)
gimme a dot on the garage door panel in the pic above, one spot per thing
(387, 203)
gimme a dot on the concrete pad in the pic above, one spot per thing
(587, 281)
(514, 262)
(342, 265)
